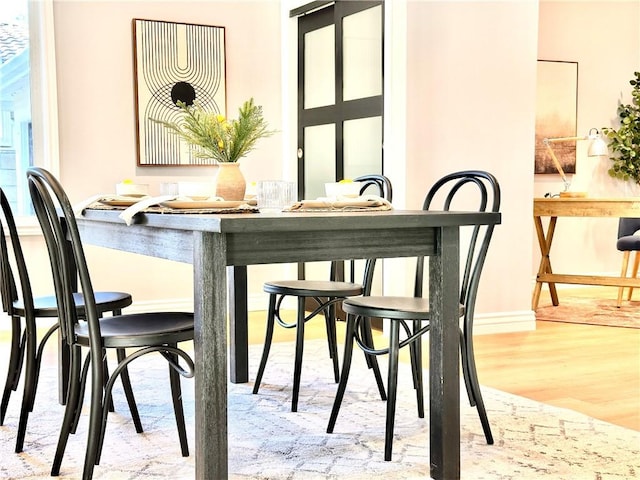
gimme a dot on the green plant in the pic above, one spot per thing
(224, 140)
(624, 142)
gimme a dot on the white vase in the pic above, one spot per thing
(230, 182)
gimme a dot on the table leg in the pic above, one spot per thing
(444, 338)
(238, 324)
(544, 241)
(210, 342)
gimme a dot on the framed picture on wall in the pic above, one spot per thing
(174, 62)
(556, 114)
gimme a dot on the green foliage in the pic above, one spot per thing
(224, 140)
(625, 141)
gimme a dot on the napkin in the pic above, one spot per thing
(79, 207)
(128, 214)
(365, 202)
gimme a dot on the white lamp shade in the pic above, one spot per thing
(597, 146)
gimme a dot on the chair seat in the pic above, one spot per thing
(629, 242)
(313, 288)
(47, 306)
(393, 308)
(141, 329)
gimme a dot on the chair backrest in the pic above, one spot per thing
(470, 190)
(375, 185)
(66, 254)
(379, 182)
(628, 226)
(8, 285)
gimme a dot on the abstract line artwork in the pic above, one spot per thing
(556, 114)
(175, 62)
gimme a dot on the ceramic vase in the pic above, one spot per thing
(230, 182)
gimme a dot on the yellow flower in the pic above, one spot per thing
(211, 135)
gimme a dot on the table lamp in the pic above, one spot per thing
(597, 148)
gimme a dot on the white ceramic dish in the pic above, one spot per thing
(122, 200)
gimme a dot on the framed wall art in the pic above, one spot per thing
(172, 62)
(556, 114)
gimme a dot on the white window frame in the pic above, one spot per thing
(44, 103)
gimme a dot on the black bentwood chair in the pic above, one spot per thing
(19, 303)
(412, 313)
(145, 333)
(326, 294)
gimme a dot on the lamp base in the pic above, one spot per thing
(573, 194)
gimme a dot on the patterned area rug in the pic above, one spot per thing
(592, 311)
(267, 441)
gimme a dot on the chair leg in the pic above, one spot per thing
(344, 375)
(634, 273)
(372, 360)
(623, 274)
(330, 321)
(392, 388)
(297, 368)
(83, 386)
(99, 403)
(471, 379)
(416, 365)
(128, 392)
(29, 384)
(73, 404)
(176, 395)
(465, 370)
(39, 355)
(267, 341)
(15, 366)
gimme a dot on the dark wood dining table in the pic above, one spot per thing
(214, 242)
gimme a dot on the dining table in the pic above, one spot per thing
(221, 246)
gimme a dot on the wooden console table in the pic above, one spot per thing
(575, 207)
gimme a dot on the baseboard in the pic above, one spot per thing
(488, 323)
(257, 302)
(165, 305)
(508, 322)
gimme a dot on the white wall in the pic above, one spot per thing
(97, 122)
(471, 105)
(604, 38)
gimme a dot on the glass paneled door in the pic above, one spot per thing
(340, 101)
(339, 94)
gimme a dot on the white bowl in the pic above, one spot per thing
(127, 188)
(197, 189)
(342, 189)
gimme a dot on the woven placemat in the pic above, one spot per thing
(166, 210)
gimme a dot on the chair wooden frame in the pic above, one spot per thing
(627, 243)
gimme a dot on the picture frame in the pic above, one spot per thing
(556, 114)
(174, 62)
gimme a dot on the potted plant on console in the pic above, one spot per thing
(624, 141)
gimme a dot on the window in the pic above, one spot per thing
(28, 126)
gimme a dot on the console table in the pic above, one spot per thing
(575, 207)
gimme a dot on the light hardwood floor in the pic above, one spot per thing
(594, 370)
